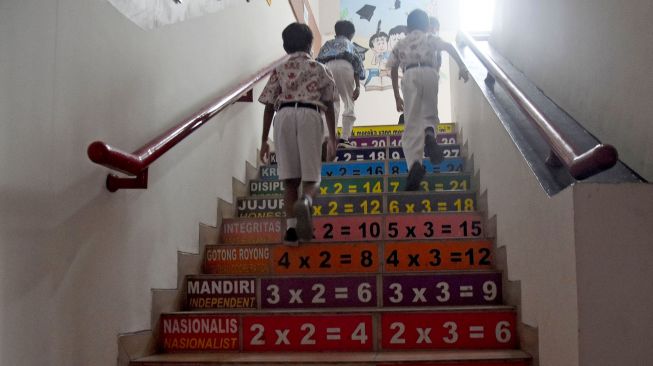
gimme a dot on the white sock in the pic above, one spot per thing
(291, 223)
(309, 199)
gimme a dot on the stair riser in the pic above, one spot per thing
(378, 153)
(372, 168)
(285, 293)
(364, 204)
(338, 332)
(393, 130)
(333, 259)
(401, 331)
(358, 228)
(371, 184)
(447, 138)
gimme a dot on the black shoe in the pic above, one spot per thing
(290, 238)
(302, 210)
(432, 149)
(344, 144)
(415, 175)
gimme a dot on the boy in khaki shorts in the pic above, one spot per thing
(417, 54)
(340, 57)
(298, 90)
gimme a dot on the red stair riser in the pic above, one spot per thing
(468, 330)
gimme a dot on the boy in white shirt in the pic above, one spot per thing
(417, 56)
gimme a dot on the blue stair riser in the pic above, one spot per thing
(370, 184)
(363, 204)
(362, 291)
(391, 167)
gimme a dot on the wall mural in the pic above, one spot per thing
(150, 14)
(380, 24)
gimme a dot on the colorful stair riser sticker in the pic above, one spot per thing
(338, 332)
(372, 168)
(363, 204)
(370, 184)
(395, 141)
(380, 130)
(358, 228)
(378, 153)
(348, 258)
(433, 289)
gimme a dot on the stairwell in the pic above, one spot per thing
(391, 277)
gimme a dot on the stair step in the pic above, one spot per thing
(391, 129)
(481, 327)
(404, 358)
(386, 153)
(440, 182)
(447, 138)
(367, 168)
(229, 294)
(395, 129)
(378, 153)
(359, 228)
(363, 204)
(347, 258)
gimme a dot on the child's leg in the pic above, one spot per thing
(431, 120)
(412, 140)
(342, 74)
(288, 166)
(309, 138)
(289, 198)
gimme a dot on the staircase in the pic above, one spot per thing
(391, 278)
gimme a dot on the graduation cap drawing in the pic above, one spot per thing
(366, 12)
(397, 4)
(360, 50)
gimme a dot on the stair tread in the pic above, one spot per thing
(335, 275)
(339, 357)
(439, 309)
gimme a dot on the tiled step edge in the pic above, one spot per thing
(444, 357)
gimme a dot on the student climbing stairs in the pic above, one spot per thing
(390, 278)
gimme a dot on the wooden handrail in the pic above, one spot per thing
(137, 163)
(580, 165)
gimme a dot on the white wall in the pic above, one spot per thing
(77, 263)
(593, 58)
(582, 256)
(614, 252)
(537, 231)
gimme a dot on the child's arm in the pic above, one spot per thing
(267, 122)
(394, 75)
(357, 90)
(331, 126)
(449, 48)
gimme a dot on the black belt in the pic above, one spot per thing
(299, 105)
(420, 64)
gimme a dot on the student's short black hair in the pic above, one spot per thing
(297, 37)
(398, 30)
(378, 35)
(418, 20)
(434, 23)
(345, 28)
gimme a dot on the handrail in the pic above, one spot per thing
(580, 165)
(137, 163)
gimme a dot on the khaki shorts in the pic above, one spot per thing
(298, 136)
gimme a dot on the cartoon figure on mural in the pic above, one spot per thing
(378, 77)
